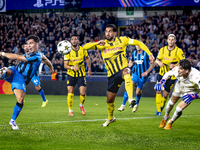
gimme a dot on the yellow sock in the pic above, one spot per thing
(82, 99)
(128, 86)
(158, 101)
(164, 101)
(111, 108)
(70, 100)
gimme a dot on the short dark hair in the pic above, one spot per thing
(112, 26)
(76, 35)
(34, 37)
(186, 64)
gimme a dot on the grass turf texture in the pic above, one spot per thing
(51, 128)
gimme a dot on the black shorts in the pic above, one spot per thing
(114, 82)
(72, 81)
(169, 83)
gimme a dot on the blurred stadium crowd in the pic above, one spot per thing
(52, 28)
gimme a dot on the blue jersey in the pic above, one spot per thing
(141, 63)
(30, 68)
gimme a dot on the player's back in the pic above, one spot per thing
(29, 69)
(141, 63)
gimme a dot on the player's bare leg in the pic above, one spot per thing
(82, 90)
(111, 107)
(70, 96)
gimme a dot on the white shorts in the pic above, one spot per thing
(181, 89)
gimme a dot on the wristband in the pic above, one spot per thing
(72, 67)
(3, 53)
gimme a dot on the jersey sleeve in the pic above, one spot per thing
(181, 54)
(173, 72)
(160, 54)
(125, 39)
(66, 57)
(85, 53)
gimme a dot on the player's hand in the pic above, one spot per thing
(160, 86)
(101, 42)
(151, 58)
(52, 70)
(188, 98)
(144, 74)
(76, 67)
(89, 73)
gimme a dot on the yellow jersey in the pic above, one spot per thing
(76, 57)
(169, 56)
(114, 55)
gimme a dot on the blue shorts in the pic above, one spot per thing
(17, 80)
(140, 82)
(36, 80)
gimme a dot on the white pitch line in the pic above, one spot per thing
(93, 120)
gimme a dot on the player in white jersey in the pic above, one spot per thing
(187, 87)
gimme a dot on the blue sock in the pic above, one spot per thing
(138, 97)
(18, 107)
(125, 98)
(42, 95)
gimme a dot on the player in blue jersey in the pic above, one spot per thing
(21, 75)
(35, 79)
(141, 67)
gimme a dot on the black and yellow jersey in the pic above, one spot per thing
(114, 53)
(169, 56)
(76, 57)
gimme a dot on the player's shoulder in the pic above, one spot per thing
(123, 38)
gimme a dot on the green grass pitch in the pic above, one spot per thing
(51, 128)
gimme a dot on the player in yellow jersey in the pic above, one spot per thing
(113, 51)
(168, 57)
(74, 64)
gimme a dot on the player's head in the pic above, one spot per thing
(74, 40)
(25, 47)
(138, 48)
(171, 40)
(33, 43)
(184, 67)
(110, 32)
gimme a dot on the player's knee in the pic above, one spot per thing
(126, 71)
(165, 95)
(158, 92)
(38, 88)
(20, 99)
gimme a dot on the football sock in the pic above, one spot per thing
(42, 95)
(169, 107)
(138, 97)
(164, 99)
(158, 101)
(128, 85)
(111, 108)
(18, 107)
(125, 98)
(70, 100)
(177, 113)
(82, 99)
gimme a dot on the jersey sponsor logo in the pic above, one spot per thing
(169, 58)
(80, 59)
(138, 61)
(112, 49)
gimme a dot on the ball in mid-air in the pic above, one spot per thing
(64, 47)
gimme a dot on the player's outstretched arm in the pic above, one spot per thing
(13, 56)
(96, 45)
(143, 47)
(48, 63)
(152, 65)
(89, 65)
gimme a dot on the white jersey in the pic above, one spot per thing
(189, 85)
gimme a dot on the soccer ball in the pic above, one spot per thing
(64, 47)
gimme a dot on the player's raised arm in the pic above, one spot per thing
(13, 56)
(95, 45)
(143, 47)
(48, 63)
